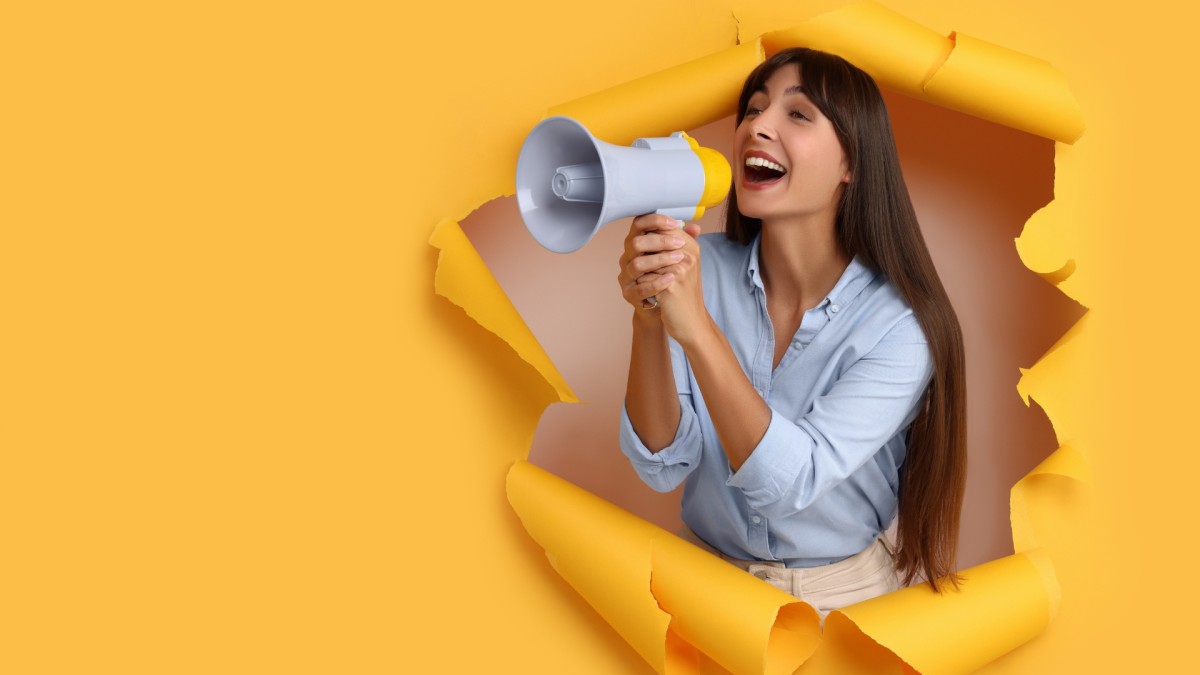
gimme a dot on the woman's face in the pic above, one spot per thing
(788, 162)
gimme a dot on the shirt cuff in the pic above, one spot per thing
(665, 469)
(771, 470)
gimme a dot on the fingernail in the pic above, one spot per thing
(677, 241)
(668, 276)
(677, 256)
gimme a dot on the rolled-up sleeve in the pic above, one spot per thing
(666, 469)
(875, 399)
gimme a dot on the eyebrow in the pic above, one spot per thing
(794, 89)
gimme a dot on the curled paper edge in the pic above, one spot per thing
(1035, 244)
(958, 72)
(686, 96)
(999, 606)
(462, 278)
(693, 602)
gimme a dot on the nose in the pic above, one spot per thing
(760, 130)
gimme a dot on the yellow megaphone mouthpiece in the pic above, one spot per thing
(718, 175)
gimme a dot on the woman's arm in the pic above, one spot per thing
(665, 467)
(799, 460)
(737, 410)
(783, 464)
(739, 414)
(650, 396)
(651, 400)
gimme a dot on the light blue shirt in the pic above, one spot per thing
(822, 483)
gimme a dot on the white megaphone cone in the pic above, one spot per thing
(569, 183)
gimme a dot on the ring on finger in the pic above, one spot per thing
(650, 302)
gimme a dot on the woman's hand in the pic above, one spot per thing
(681, 303)
(651, 247)
(663, 260)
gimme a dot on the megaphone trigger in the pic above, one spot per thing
(570, 184)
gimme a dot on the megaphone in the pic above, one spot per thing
(570, 184)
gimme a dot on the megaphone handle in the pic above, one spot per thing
(652, 301)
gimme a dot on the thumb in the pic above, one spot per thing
(692, 229)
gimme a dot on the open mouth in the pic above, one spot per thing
(759, 171)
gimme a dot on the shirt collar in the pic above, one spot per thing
(854, 279)
(752, 266)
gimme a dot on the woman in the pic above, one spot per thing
(819, 356)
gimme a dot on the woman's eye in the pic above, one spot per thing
(796, 114)
(752, 111)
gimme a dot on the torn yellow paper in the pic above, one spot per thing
(736, 620)
(667, 597)
(898, 52)
(684, 97)
(641, 579)
(603, 552)
(959, 72)
(977, 74)
(1039, 247)
(1065, 463)
(846, 650)
(999, 606)
(1042, 370)
(1059, 363)
(463, 278)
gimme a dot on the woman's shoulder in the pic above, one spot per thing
(883, 308)
(893, 314)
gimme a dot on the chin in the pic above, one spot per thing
(753, 210)
(748, 207)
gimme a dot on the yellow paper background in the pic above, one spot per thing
(240, 433)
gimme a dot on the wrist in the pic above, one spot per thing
(647, 321)
(702, 339)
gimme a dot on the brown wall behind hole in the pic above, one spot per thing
(973, 183)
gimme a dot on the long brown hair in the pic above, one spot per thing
(876, 221)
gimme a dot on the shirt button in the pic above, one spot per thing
(834, 308)
(756, 520)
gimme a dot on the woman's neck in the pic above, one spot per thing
(800, 262)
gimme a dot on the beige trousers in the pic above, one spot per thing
(864, 575)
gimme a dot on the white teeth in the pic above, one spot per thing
(766, 163)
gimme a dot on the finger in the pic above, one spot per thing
(652, 262)
(653, 285)
(646, 278)
(651, 244)
(692, 229)
(648, 285)
(630, 277)
(655, 221)
(654, 242)
(627, 280)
